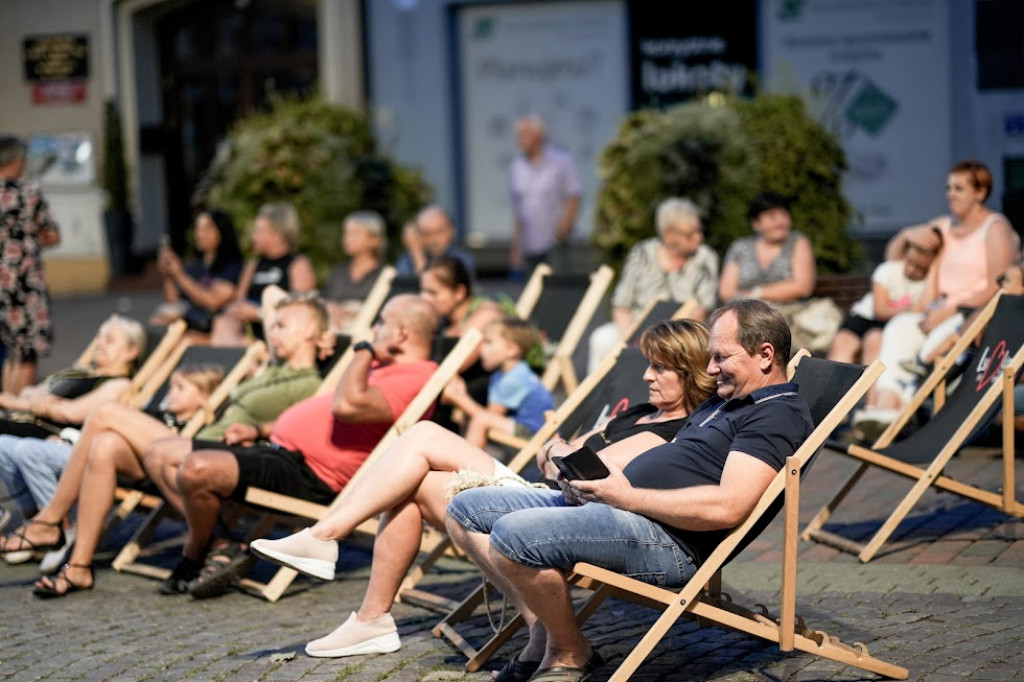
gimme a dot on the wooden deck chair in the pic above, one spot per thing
(374, 301)
(581, 294)
(238, 362)
(614, 386)
(923, 455)
(421, 404)
(160, 341)
(831, 390)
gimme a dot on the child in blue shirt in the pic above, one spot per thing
(516, 399)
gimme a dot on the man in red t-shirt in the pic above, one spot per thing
(317, 444)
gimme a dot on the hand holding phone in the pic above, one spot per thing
(583, 464)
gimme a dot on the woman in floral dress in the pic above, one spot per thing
(26, 228)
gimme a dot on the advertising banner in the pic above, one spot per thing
(565, 61)
(875, 72)
(713, 49)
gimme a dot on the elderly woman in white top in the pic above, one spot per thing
(676, 263)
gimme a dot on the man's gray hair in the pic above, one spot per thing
(12, 148)
(674, 210)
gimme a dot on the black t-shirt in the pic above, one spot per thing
(769, 424)
(623, 425)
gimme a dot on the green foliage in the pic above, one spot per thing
(720, 153)
(322, 158)
(115, 172)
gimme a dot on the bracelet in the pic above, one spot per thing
(367, 346)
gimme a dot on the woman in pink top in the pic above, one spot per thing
(977, 245)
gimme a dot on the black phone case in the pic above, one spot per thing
(583, 464)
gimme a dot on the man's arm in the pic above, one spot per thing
(572, 207)
(355, 400)
(700, 508)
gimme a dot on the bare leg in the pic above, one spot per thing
(478, 547)
(206, 478)
(162, 460)
(134, 426)
(111, 454)
(844, 346)
(18, 374)
(398, 474)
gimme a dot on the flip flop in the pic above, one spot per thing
(222, 569)
(562, 673)
(51, 592)
(517, 671)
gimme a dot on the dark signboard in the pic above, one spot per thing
(56, 57)
(681, 51)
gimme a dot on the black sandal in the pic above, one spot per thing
(221, 571)
(51, 591)
(517, 671)
(185, 571)
(27, 545)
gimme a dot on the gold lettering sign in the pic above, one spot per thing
(56, 57)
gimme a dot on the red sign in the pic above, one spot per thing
(58, 92)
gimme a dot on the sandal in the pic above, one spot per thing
(517, 671)
(185, 571)
(51, 591)
(222, 569)
(15, 554)
(561, 673)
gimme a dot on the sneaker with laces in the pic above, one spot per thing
(355, 638)
(301, 551)
(55, 558)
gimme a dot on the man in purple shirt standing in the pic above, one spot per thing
(545, 191)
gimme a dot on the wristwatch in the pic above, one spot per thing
(367, 346)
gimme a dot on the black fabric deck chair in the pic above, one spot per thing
(988, 379)
(831, 390)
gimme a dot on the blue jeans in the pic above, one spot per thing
(536, 528)
(30, 468)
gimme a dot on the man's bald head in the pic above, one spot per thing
(416, 315)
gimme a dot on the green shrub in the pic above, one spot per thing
(720, 152)
(322, 158)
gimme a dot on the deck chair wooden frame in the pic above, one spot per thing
(156, 356)
(133, 499)
(560, 368)
(701, 597)
(931, 475)
(448, 368)
(409, 593)
(374, 301)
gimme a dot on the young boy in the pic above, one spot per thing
(897, 286)
(516, 399)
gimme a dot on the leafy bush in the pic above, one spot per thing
(720, 153)
(322, 158)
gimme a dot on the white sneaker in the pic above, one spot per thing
(354, 638)
(301, 551)
(54, 559)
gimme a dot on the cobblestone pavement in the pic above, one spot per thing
(945, 600)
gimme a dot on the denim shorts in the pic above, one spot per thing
(536, 528)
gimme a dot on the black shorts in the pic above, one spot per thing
(860, 325)
(273, 468)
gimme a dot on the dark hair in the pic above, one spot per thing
(765, 201)
(978, 173)
(228, 251)
(451, 273)
(758, 322)
(12, 148)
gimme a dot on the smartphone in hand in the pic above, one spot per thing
(583, 464)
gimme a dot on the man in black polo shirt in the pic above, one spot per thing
(658, 516)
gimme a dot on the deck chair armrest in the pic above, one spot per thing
(285, 504)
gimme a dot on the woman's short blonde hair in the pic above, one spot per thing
(284, 218)
(133, 331)
(372, 224)
(682, 346)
